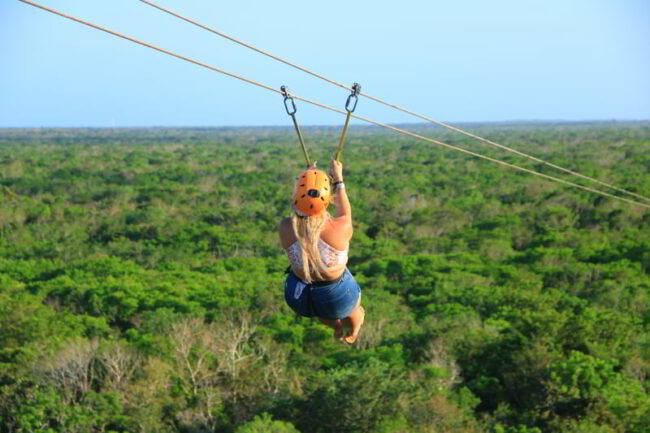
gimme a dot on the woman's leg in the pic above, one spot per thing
(352, 322)
(335, 324)
(355, 320)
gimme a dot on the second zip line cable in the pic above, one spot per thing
(253, 82)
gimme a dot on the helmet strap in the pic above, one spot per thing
(300, 214)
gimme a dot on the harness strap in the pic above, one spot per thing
(291, 111)
(353, 97)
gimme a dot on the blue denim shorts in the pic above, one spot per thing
(333, 301)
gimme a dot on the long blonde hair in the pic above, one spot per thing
(307, 230)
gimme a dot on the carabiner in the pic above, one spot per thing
(290, 110)
(356, 89)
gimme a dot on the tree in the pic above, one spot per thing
(71, 371)
(266, 424)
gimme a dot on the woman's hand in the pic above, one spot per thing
(336, 171)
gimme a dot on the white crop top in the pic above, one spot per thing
(330, 256)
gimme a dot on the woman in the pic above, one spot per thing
(316, 243)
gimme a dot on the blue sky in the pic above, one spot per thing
(453, 61)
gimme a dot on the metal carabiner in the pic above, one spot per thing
(356, 89)
(290, 110)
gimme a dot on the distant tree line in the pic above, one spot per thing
(141, 285)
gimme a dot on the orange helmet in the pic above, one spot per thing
(312, 193)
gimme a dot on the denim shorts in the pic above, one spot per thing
(333, 301)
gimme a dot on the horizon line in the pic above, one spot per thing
(360, 124)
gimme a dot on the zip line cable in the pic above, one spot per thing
(389, 104)
(145, 44)
(364, 119)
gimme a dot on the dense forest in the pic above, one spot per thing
(141, 281)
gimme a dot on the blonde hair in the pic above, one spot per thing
(308, 230)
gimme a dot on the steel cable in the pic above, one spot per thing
(402, 131)
(389, 104)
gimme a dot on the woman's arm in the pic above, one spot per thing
(285, 229)
(341, 201)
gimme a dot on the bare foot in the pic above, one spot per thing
(351, 338)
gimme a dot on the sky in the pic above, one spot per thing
(456, 61)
